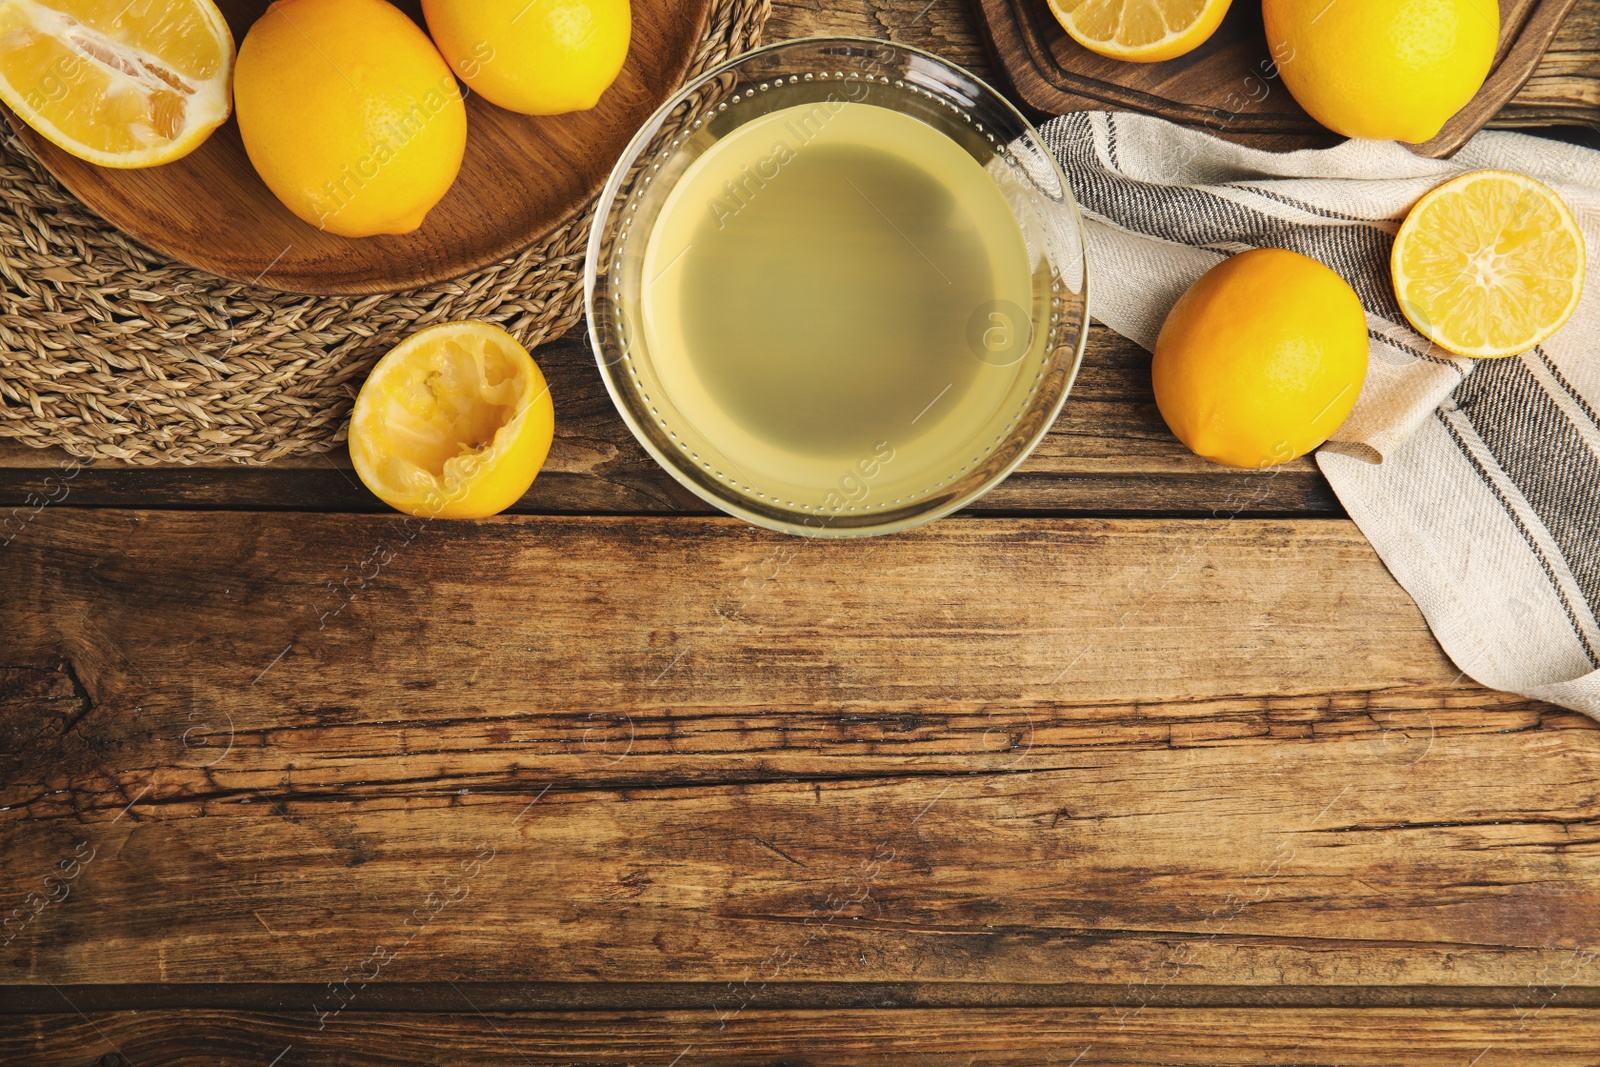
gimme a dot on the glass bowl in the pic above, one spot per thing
(868, 467)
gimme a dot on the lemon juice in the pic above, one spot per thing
(836, 298)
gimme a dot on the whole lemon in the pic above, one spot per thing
(349, 114)
(539, 57)
(1262, 359)
(1383, 69)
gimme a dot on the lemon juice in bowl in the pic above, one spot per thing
(813, 278)
(830, 304)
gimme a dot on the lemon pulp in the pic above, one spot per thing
(1489, 264)
(1143, 31)
(117, 84)
(455, 422)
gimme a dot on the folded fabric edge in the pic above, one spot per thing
(1405, 553)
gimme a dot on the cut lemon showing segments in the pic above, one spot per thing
(453, 423)
(116, 83)
(1489, 264)
(1143, 31)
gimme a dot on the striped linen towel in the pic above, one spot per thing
(1477, 483)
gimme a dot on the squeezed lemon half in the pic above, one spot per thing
(1489, 264)
(118, 84)
(453, 423)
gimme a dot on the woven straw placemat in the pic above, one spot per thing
(112, 351)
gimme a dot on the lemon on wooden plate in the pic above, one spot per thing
(1383, 69)
(538, 57)
(1489, 264)
(117, 84)
(1143, 31)
(1261, 360)
(349, 114)
(454, 423)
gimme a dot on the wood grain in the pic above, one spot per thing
(997, 791)
(1127, 753)
(1564, 89)
(538, 996)
(1230, 84)
(522, 178)
(1108, 453)
(1554, 1037)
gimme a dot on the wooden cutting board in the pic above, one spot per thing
(1230, 84)
(523, 176)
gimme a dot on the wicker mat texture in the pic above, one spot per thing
(112, 351)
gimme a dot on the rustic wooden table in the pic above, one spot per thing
(1142, 761)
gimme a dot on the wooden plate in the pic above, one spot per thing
(522, 178)
(1229, 84)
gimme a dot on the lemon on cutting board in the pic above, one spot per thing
(118, 84)
(537, 57)
(1383, 69)
(1489, 264)
(453, 423)
(1142, 31)
(349, 114)
(1261, 360)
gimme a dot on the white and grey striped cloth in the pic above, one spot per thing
(1478, 484)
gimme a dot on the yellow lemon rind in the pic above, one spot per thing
(1357, 74)
(1218, 368)
(356, 158)
(540, 77)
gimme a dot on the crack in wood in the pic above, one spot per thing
(1087, 936)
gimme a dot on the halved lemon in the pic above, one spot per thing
(1489, 264)
(453, 423)
(119, 83)
(1144, 31)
